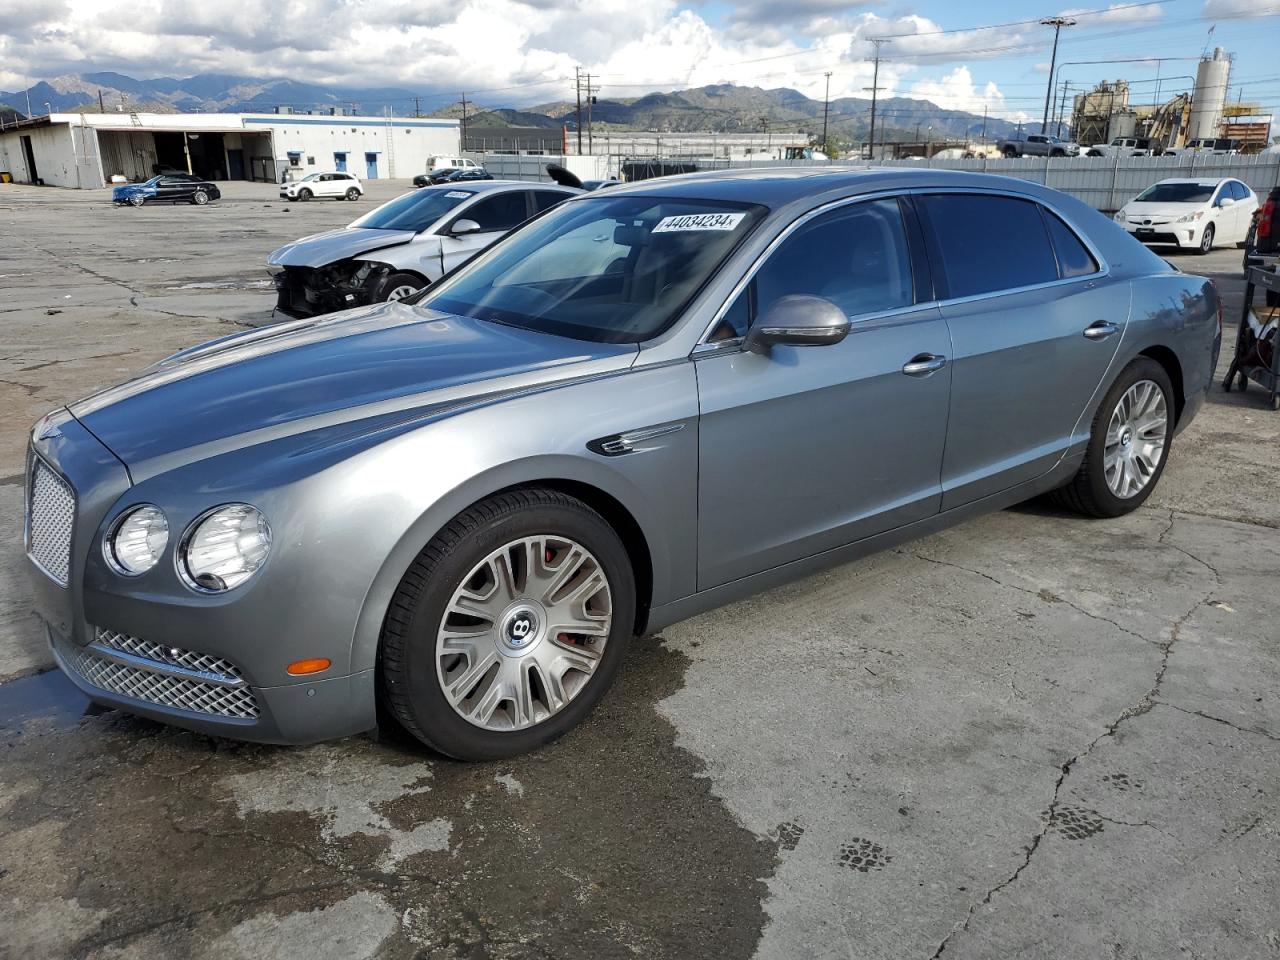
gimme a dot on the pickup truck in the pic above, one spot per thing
(1123, 147)
(1038, 145)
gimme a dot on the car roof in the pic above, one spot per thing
(487, 186)
(1198, 181)
(779, 186)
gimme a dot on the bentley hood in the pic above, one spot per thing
(324, 248)
(389, 361)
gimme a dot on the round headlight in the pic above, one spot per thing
(225, 548)
(137, 542)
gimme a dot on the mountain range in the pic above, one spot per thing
(724, 108)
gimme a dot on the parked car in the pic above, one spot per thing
(650, 401)
(567, 178)
(438, 176)
(339, 186)
(590, 185)
(1262, 245)
(394, 251)
(467, 175)
(1220, 146)
(1038, 145)
(1125, 147)
(166, 188)
(1191, 214)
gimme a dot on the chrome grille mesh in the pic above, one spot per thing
(181, 679)
(162, 654)
(51, 511)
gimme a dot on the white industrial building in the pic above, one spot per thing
(88, 149)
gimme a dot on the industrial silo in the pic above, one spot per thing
(1212, 78)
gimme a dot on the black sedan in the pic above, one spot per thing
(166, 188)
(467, 174)
(439, 175)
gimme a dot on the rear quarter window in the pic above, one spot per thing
(988, 243)
(1074, 258)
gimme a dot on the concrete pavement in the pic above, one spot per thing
(1032, 735)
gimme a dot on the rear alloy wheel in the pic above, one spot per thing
(509, 626)
(200, 198)
(304, 194)
(353, 193)
(1128, 446)
(1206, 240)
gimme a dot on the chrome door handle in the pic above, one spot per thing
(1100, 330)
(923, 364)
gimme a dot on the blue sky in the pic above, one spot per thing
(990, 54)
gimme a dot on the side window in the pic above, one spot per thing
(855, 256)
(1239, 190)
(546, 199)
(500, 212)
(1074, 259)
(989, 243)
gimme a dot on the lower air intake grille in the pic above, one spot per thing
(169, 676)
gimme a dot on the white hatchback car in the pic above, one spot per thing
(340, 186)
(1191, 214)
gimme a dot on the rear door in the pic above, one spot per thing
(810, 448)
(1034, 326)
(496, 212)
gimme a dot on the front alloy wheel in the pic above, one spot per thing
(1206, 240)
(524, 632)
(509, 626)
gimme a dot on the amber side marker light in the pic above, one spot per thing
(300, 668)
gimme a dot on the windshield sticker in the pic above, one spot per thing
(458, 194)
(699, 221)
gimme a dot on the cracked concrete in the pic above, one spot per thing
(1032, 736)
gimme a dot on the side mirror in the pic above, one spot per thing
(1227, 202)
(461, 227)
(800, 321)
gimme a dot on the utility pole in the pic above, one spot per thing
(984, 123)
(875, 89)
(577, 84)
(463, 142)
(1057, 23)
(591, 98)
(826, 106)
(28, 103)
(1062, 108)
(101, 108)
(417, 106)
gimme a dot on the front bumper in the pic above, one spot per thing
(213, 666)
(1168, 234)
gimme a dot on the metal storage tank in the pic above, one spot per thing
(1212, 77)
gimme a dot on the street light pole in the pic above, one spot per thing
(1057, 23)
(826, 106)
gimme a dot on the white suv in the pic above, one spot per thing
(340, 186)
(460, 163)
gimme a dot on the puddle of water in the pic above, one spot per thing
(48, 695)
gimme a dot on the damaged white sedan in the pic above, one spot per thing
(403, 246)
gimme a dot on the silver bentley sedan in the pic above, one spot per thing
(646, 402)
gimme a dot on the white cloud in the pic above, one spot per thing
(956, 91)
(506, 52)
(1239, 9)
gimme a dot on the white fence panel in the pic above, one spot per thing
(1106, 183)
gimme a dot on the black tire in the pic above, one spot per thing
(304, 194)
(410, 684)
(353, 193)
(200, 198)
(1094, 153)
(1058, 153)
(136, 200)
(395, 282)
(1010, 153)
(1206, 240)
(1088, 492)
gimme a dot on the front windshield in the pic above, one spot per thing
(1177, 193)
(608, 269)
(152, 182)
(413, 211)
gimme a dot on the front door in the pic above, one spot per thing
(810, 448)
(371, 166)
(496, 213)
(340, 162)
(1034, 330)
